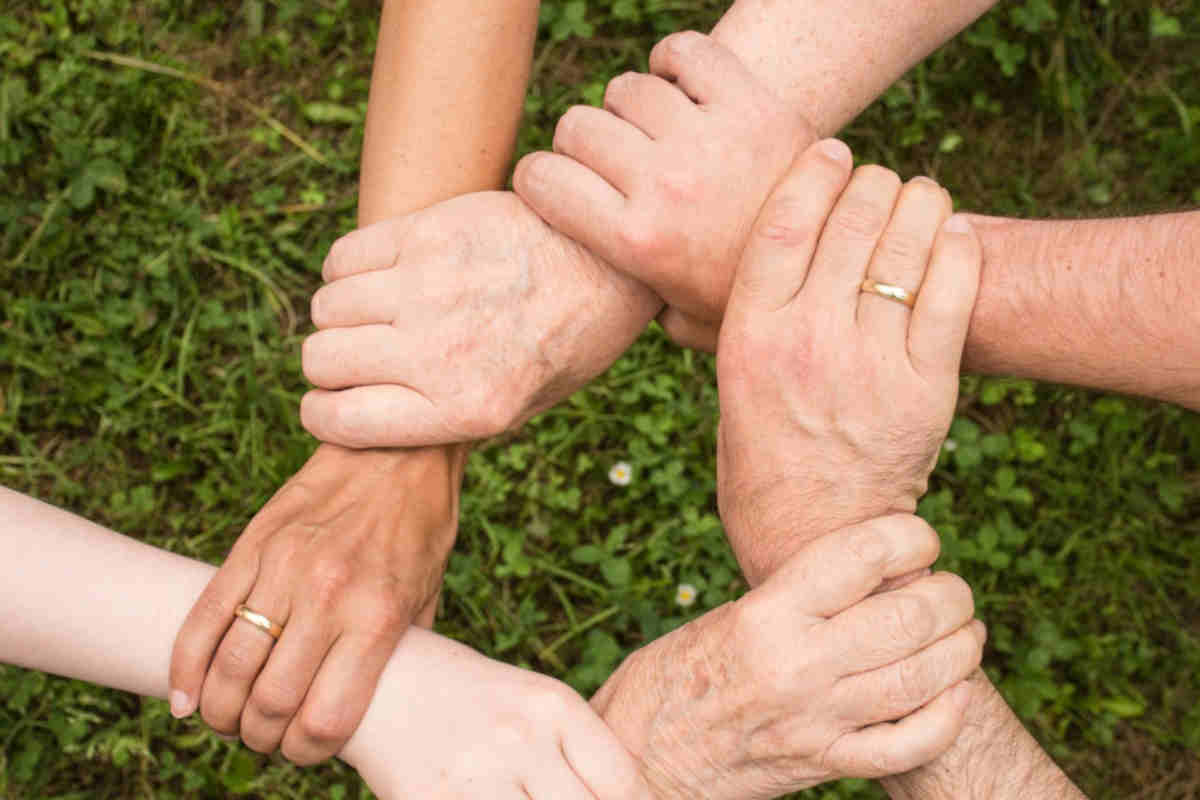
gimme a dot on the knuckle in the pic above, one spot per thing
(914, 682)
(684, 44)
(322, 725)
(858, 218)
(237, 660)
(785, 222)
(911, 619)
(620, 88)
(903, 247)
(870, 546)
(276, 700)
(643, 239)
(553, 701)
(345, 424)
(679, 186)
(328, 579)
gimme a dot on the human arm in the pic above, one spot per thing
(352, 548)
(360, 372)
(81, 601)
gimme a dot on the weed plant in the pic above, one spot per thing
(174, 172)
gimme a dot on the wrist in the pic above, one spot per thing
(994, 758)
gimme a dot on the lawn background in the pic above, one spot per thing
(161, 228)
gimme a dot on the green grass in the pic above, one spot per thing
(160, 236)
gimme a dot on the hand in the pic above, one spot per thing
(446, 722)
(835, 401)
(665, 182)
(799, 681)
(459, 322)
(344, 557)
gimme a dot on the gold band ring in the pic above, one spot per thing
(890, 292)
(272, 629)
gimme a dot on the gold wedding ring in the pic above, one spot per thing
(890, 292)
(272, 629)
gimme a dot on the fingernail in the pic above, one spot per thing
(957, 224)
(835, 150)
(181, 704)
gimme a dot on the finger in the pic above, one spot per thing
(363, 299)
(942, 316)
(885, 628)
(379, 246)
(789, 227)
(242, 653)
(891, 692)
(901, 258)
(367, 354)
(841, 568)
(280, 688)
(891, 748)
(205, 626)
(602, 762)
(706, 70)
(338, 697)
(653, 105)
(840, 264)
(604, 143)
(555, 780)
(376, 416)
(686, 330)
(576, 202)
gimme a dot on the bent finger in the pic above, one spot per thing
(841, 568)
(281, 687)
(374, 247)
(340, 358)
(885, 628)
(602, 762)
(205, 627)
(891, 692)
(241, 656)
(575, 201)
(708, 71)
(890, 748)
(604, 143)
(338, 697)
(655, 106)
(937, 332)
(363, 299)
(788, 228)
(384, 415)
(686, 330)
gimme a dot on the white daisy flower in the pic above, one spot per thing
(621, 473)
(950, 445)
(685, 595)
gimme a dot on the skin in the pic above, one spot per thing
(352, 548)
(479, 723)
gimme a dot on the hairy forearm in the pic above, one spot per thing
(994, 758)
(446, 100)
(830, 58)
(1109, 304)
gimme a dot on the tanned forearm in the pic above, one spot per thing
(1108, 304)
(446, 99)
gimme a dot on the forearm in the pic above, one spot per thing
(445, 103)
(446, 100)
(1108, 304)
(81, 601)
(994, 758)
(829, 60)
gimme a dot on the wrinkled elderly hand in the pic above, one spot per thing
(459, 322)
(835, 401)
(446, 722)
(666, 181)
(798, 682)
(344, 557)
